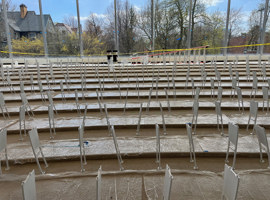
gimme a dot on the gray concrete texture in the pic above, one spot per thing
(113, 83)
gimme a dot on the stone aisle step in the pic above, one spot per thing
(132, 147)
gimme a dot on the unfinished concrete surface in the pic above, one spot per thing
(123, 88)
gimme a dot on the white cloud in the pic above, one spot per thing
(81, 18)
(246, 15)
(99, 16)
(210, 3)
(137, 8)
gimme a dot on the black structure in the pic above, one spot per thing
(112, 53)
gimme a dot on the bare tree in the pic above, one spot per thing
(71, 21)
(179, 15)
(212, 29)
(166, 29)
(254, 21)
(235, 27)
(127, 20)
(10, 5)
(94, 25)
(144, 22)
(180, 11)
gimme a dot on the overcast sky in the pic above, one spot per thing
(58, 9)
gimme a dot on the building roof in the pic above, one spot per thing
(30, 23)
(62, 26)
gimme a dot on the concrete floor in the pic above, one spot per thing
(140, 179)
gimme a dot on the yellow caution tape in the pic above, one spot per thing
(207, 48)
(147, 52)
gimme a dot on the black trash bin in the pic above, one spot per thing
(113, 54)
(109, 55)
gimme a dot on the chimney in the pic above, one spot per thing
(23, 10)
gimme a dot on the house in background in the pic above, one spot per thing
(75, 30)
(63, 29)
(24, 23)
